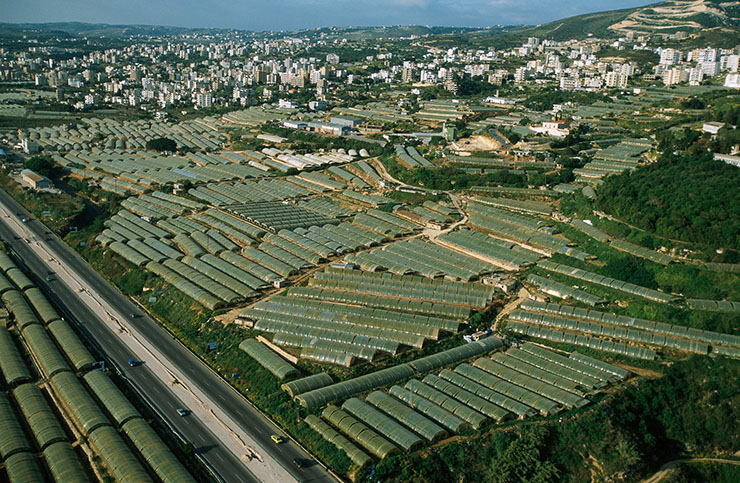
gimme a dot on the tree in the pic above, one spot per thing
(42, 165)
(162, 144)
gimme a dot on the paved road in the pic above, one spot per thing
(224, 460)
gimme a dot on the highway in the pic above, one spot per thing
(223, 426)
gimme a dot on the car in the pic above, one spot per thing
(182, 412)
(49, 278)
(132, 363)
(277, 439)
(25, 219)
(133, 315)
(299, 463)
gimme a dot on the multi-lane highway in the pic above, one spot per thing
(230, 436)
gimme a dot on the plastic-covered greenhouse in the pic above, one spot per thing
(12, 365)
(114, 401)
(355, 454)
(359, 432)
(39, 415)
(305, 384)
(268, 359)
(157, 455)
(121, 462)
(384, 425)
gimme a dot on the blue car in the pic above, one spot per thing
(132, 362)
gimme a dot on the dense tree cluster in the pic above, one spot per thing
(162, 144)
(692, 407)
(43, 165)
(687, 196)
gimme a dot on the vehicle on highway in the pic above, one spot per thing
(276, 439)
(133, 362)
(182, 412)
(49, 278)
(133, 315)
(26, 219)
(299, 463)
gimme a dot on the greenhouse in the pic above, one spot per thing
(23, 467)
(71, 345)
(19, 278)
(12, 439)
(157, 455)
(110, 397)
(429, 409)
(563, 291)
(44, 351)
(475, 419)
(17, 305)
(63, 463)
(12, 365)
(41, 305)
(268, 359)
(121, 462)
(505, 394)
(305, 384)
(78, 403)
(384, 425)
(355, 454)
(39, 415)
(359, 432)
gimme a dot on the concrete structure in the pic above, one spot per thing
(35, 180)
(712, 127)
(29, 146)
(728, 158)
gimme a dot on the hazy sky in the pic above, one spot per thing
(299, 14)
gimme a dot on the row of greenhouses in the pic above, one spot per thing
(348, 177)
(619, 333)
(531, 207)
(72, 396)
(714, 305)
(591, 230)
(492, 250)
(430, 260)
(366, 199)
(422, 324)
(527, 237)
(369, 174)
(275, 216)
(519, 383)
(659, 328)
(626, 287)
(530, 222)
(563, 291)
(268, 359)
(405, 287)
(427, 216)
(340, 390)
(17, 451)
(123, 135)
(369, 302)
(642, 252)
(581, 340)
